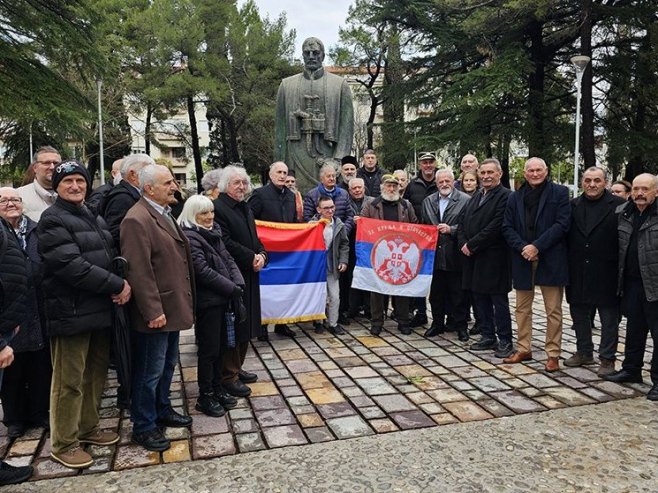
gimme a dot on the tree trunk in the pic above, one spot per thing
(587, 125)
(536, 141)
(196, 150)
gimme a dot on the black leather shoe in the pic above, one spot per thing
(484, 345)
(375, 330)
(653, 393)
(624, 376)
(462, 335)
(174, 420)
(434, 330)
(336, 330)
(227, 401)
(152, 440)
(418, 320)
(15, 430)
(284, 330)
(208, 405)
(264, 338)
(404, 329)
(237, 388)
(13, 475)
(344, 320)
(475, 330)
(247, 377)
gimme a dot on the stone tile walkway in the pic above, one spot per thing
(319, 388)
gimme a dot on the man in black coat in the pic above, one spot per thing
(13, 291)
(79, 289)
(593, 258)
(275, 202)
(238, 225)
(371, 173)
(487, 266)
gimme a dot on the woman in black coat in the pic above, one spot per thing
(219, 285)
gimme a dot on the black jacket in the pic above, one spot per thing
(115, 206)
(13, 283)
(372, 180)
(268, 203)
(76, 249)
(417, 190)
(215, 272)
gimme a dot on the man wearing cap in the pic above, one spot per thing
(421, 187)
(348, 167)
(79, 290)
(371, 173)
(40, 194)
(389, 207)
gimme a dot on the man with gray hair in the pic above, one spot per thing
(314, 117)
(39, 195)
(125, 194)
(275, 202)
(160, 271)
(97, 197)
(327, 186)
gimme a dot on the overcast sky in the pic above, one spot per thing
(319, 18)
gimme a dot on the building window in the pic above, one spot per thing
(178, 152)
(181, 178)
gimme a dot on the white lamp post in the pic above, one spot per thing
(579, 62)
(99, 83)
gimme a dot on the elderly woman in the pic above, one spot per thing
(210, 182)
(218, 284)
(238, 225)
(26, 386)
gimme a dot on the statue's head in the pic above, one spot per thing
(313, 53)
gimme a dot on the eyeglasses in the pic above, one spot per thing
(13, 200)
(328, 208)
(48, 163)
(235, 183)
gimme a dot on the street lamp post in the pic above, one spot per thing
(99, 83)
(580, 63)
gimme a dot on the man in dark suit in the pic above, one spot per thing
(486, 268)
(593, 257)
(535, 227)
(160, 270)
(236, 219)
(275, 202)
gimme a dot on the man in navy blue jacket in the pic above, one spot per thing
(535, 227)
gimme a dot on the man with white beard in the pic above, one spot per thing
(389, 206)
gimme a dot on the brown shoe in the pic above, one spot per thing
(607, 367)
(75, 458)
(518, 357)
(552, 364)
(99, 437)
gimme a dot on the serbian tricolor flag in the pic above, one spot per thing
(293, 285)
(394, 258)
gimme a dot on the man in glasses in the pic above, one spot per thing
(39, 195)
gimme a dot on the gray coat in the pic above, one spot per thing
(448, 257)
(340, 248)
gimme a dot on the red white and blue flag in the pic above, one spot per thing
(394, 258)
(293, 285)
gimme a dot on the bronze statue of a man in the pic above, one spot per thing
(314, 118)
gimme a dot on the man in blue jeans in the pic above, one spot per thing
(160, 264)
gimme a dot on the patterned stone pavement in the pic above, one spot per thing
(319, 388)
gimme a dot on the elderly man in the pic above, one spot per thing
(371, 173)
(238, 225)
(638, 280)
(593, 259)
(275, 202)
(389, 206)
(160, 271)
(314, 117)
(95, 200)
(13, 282)
(468, 163)
(348, 166)
(40, 194)
(26, 386)
(291, 183)
(487, 265)
(445, 209)
(328, 188)
(421, 187)
(535, 227)
(78, 288)
(403, 178)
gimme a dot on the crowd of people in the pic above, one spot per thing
(62, 248)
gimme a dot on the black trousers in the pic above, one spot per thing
(209, 329)
(447, 298)
(25, 389)
(641, 319)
